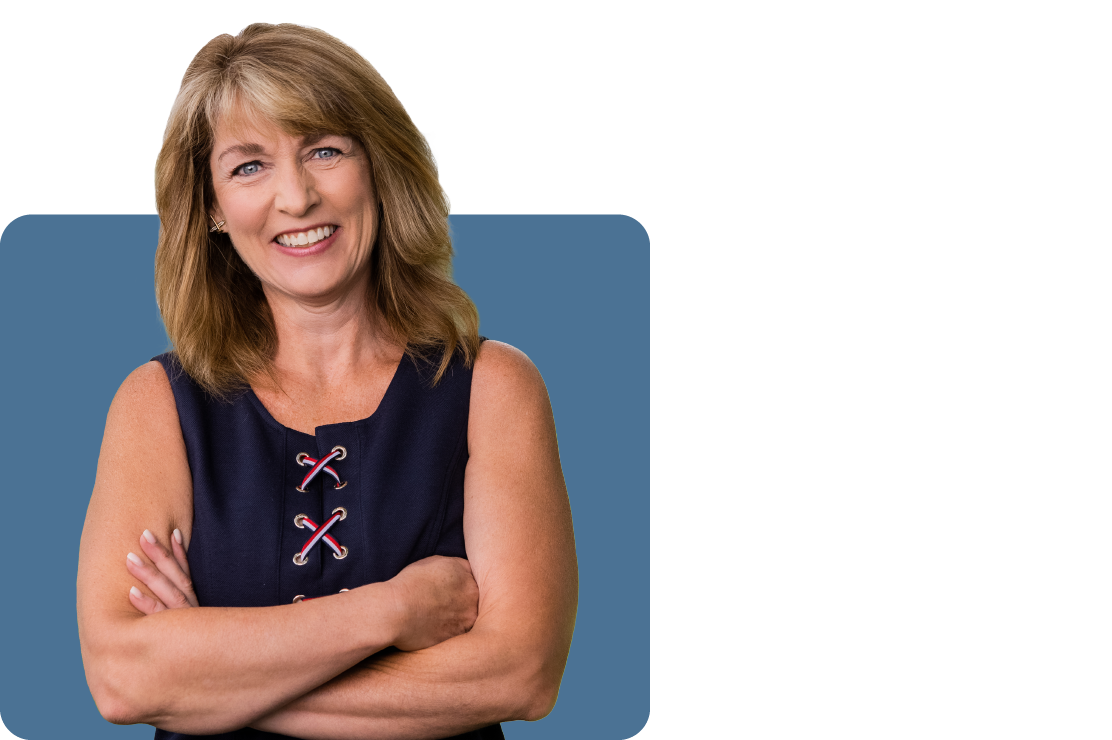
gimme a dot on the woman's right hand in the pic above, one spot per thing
(437, 598)
(167, 576)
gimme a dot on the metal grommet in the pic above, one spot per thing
(299, 521)
(342, 510)
(338, 486)
(343, 451)
(344, 555)
(342, 590)
(297, 599)
(301, 458)
(299, 489)
(298, 559)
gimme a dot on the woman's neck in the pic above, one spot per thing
(326, 344)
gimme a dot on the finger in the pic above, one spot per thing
(163, 590)
(146, 604)
(178, 546)
(168, 566)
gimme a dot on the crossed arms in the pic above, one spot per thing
(209, 670)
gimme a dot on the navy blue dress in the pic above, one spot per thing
(401, 497)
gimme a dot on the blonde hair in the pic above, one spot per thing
(305, 82)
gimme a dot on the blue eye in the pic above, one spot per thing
(246, 169)
(327, 153)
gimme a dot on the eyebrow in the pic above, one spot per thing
(247, 150)
(251, 150)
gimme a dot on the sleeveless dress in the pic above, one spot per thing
(280, 516)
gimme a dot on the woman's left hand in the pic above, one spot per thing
(168, 578)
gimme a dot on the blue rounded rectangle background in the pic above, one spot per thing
(572, 292)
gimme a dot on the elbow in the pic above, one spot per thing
(537, 687)
(539, 701)
(115, 702)
(118, 696)
(116, 708)
(535, 669)
(123, 699)
(126, 692)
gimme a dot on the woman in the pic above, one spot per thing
(330, 430)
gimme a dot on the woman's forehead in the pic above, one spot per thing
(240, 120)
(245, 124)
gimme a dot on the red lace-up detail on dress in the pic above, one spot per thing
(302, 521)
(320, 532)
(303, 459)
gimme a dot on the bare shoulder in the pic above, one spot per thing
(142, 435)
(505, 375)
(143, 419)
(511, 432)
(145, 387)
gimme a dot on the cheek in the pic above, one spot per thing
(246, 257)
(241, 206)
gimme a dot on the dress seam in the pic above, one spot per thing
(449, 475)
(282, 513)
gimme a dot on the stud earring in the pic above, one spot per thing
(217, 228)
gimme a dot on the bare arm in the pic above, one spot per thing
(517, 524)
(210, 670)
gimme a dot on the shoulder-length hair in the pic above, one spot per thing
(305, 82)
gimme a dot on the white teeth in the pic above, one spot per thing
(312, 236)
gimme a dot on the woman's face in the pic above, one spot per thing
(301, 212)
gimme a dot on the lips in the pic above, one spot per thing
(305, 238)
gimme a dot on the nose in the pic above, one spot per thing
(296, 191)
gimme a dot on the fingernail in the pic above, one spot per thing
(148, 536)
(177, 536)
(136, 592)
(134, 558)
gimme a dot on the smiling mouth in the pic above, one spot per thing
(305, 238)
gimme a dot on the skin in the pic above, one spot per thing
(483, 640)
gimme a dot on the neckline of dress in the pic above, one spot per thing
(269, 417)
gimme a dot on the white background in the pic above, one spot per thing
(881, 365)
